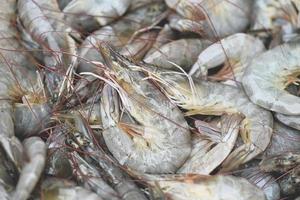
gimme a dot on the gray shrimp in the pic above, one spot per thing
(267, 76)
(289, 120)
(158, 139)
(185, 58)
(212, 98)
(35, 149)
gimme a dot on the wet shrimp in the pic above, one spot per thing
(217, 18)
(205, 158)
(236, 51)
(118, 34)
(104, 11)
(267, 76)
(60, 189)
(137, 143)
(212, 98)
(205, 187)
(43, 22)
(289, 120)
(186, 57)
(35, 149)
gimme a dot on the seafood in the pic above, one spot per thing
(284, 139)
(116, 177)
(267, 76)
(291, 121)
(42, 20)
(212, 98)
(104, 11)
(139, 144)
(118, 34)
(204, 162)
(217, 18)
(65, 190)
(290, 183)
(236, 51)
(201, 187)
(185, 58)
(14, 64)
(35, 149)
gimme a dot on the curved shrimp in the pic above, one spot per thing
(204, 159)
(217, 18)
(53, 188)
(35, 149)
(186, 57)
(104, 11)
(212, 98)
(158, 139)
(45, 27)
(206, 187)
(289, 120)
(235, 50)
(267, 76)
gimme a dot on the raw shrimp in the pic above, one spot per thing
(139, 144)
(206, 187)
(185, 58)
(218, 18)
(211, 98)
(117, 177)
(46, 28)
(134, 4)
(267, 76)
(284, 139)
(290, 184)
(118, 34)
(59, 189)
(35, 149)
(105, 11)
(289, 120)
(235, 50)
(14, 65)
(203, 161)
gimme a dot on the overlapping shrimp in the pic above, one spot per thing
(35, 149)
(216, 18)
(43, 22)
(212, 98)
(182, 187)
(236, 51)
(104, 11)
(119, 33)
(157, 139)
(205, 158)
(186, 57)
(289, 120)
(267, 76)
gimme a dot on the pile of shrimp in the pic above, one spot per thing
(149, 99)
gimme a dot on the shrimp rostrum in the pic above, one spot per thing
(151, 135)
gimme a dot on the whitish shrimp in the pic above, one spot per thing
(118, 34)
(59, 189)
(267, 76)
(236, 51)
(158, 140)
(212, 98)
(289, 120)
(185, 57)
(43, 21)
(284, 139)
(35, 149)
(104, 11)
(204, 159)
(206, 187)
(217, 18)
(112, 172)
(14, 64)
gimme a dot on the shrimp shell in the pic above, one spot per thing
(267, 76)
(289, 120)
